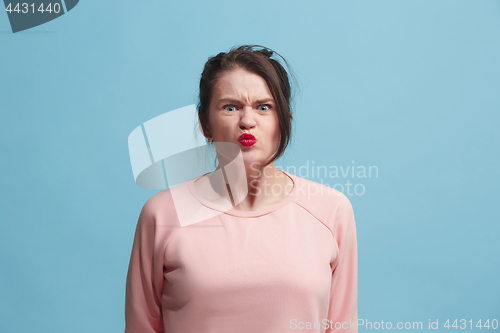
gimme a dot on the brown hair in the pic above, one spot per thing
(257, 61)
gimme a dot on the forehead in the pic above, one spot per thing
(241, 83)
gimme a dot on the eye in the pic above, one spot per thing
(265, 106)
(229, 107)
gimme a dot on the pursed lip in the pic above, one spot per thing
(246, 136)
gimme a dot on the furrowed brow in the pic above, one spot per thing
(264, 100)
(260, 101)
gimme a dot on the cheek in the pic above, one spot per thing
(222, 127)
(277, 130)
(214, 125)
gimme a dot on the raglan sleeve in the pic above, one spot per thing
(144, 283)
(342, 313)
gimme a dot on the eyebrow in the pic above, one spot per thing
(260, 101)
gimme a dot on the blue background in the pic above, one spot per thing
(410, 87)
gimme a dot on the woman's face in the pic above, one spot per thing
(242, 103)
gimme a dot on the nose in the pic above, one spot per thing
(247, 118)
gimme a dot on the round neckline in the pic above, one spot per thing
(244, 213)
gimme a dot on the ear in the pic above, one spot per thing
(205, 134)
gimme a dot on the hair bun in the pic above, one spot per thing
(266, 52)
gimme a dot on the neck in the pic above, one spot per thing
(253, 185)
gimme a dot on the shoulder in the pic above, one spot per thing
(321, 201)
(156, 203)
(175, 207)
(159, 209)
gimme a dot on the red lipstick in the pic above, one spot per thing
(247, 139)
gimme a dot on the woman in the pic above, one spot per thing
(273, 252)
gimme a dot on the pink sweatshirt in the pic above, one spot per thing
(286, 268)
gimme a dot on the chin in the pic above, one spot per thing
(251, 159)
